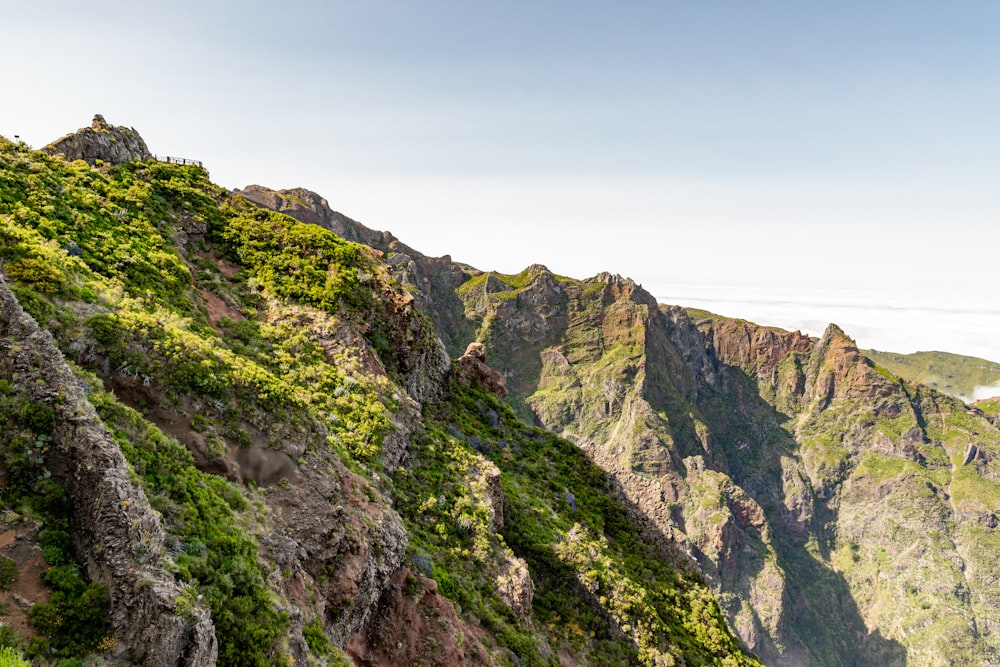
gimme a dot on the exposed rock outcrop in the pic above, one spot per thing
(515, 587)
(755, 348)
(838, 369)
(337, 542)
(118, 535)
(472, 370)
(101, 141)
(414, 625)
(491, 480)
(416, 351)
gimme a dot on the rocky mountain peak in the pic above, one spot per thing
(619, 287)
(302, 204)
(834, 332)
(611, 279)
(101, 142)
(537, 268)
(838, 369)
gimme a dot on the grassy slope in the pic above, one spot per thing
(951, 374)
(597, 580)
(92, 258)
(119, 262)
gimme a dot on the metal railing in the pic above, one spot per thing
(178, 160)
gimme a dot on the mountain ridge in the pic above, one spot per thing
(821, 390)
(328, 470)
(324, 476)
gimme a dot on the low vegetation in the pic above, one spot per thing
(579, 544)
(168, 294)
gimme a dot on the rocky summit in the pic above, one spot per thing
(240, 428)
(101, 142)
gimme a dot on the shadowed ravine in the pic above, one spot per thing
(739, 443)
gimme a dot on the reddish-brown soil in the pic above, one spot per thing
(414, 625)
(19, 542)
(217, 308)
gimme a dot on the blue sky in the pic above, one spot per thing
(770, 145)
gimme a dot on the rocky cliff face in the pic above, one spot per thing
(767, 457)
(325, 479)
(327, 539)
(118, 535)
(738, 443)
(101, 141)
(414, 624)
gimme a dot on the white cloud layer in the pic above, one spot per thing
(985, 391)
(962, 324)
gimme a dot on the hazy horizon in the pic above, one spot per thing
(884, 322)
(823, 149)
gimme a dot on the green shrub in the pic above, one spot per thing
(34, 304)
(75, 619)
(37, 273)
(319, 644)
(38, 648)
(11, 657)
(9, 639)
(55, 546)
(8, 572)
(106, 329)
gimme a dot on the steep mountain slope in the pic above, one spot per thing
(952, 374)
(431, 280)
(844, 515)
(298, 468)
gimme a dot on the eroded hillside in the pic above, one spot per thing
(301, 474)
(843, 515)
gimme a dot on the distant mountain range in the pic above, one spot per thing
(244, 429)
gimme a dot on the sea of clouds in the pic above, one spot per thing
(967, 324)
